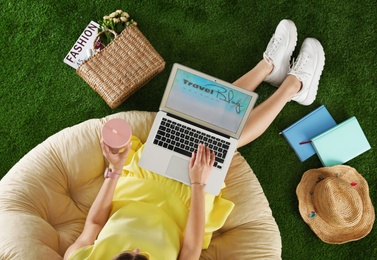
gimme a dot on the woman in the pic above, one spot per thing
(298, 83)
(200, 168)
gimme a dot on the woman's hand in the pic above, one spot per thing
(201, 164)
(117, 160)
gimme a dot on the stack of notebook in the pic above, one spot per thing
(318, 133)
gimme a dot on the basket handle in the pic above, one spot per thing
(99, 34)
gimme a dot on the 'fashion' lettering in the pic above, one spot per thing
(80, 43)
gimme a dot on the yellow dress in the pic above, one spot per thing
(150, 212)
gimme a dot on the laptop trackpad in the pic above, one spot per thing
(178, 169)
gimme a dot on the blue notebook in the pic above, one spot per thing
(341, 143)
(301, 132)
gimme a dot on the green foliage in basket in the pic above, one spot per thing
(116, 21)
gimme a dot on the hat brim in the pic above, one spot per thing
(326, 232)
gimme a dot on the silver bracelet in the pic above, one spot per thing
(198, 183)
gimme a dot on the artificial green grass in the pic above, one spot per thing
(41, 95)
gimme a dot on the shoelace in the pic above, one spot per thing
(272, 46)
(298, 65)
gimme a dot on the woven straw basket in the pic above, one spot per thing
(124, 66)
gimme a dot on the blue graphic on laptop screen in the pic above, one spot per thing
(208, 101)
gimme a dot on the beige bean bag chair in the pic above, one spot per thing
(45, 197)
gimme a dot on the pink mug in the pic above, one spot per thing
(116, 133)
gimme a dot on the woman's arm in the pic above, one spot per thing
(200, 168)
(97, 217)
(101, 207)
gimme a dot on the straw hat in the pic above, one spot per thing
(335, 203)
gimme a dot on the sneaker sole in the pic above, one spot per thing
(312, 93)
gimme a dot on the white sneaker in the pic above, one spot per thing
(308, 69)
(279, 51)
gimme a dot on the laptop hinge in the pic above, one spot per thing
(197, 125)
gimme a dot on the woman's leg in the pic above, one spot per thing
(252, 79)
(272, 69)
(264, 114)
(300, 85)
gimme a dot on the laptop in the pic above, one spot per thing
(196, 108)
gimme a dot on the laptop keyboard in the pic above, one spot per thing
(184, 140)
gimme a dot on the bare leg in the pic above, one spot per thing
(252, 79)
(263, 115)
(304, 75)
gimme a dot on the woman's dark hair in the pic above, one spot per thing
(129, 256)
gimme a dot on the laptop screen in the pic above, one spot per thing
(217, 104)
